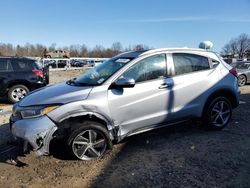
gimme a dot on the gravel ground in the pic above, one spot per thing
(181, 156)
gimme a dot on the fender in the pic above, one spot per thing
(109, 123)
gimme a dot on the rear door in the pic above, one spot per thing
(193, 76)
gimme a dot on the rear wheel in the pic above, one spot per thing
(90, 140)
(17, 92)
(242, 80)
(218, 114)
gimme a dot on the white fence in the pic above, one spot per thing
(68, 63)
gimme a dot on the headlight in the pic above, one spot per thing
(36, 112)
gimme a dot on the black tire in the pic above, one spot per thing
(85, 147)
(242, 80)
(48, 56)
(218, 113)
(17, 92)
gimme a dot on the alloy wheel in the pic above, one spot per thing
(89, 144)
(220, 113)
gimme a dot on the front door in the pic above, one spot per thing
(148, 102)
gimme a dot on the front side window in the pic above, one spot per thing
(150, 68)
(187, 63)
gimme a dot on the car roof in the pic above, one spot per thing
(15, 57)
(175, 49)
(135, 54)
(130, 54)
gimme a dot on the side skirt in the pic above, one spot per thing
(149, 128)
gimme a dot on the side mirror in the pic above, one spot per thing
(123, 83)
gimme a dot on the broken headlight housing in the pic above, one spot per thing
(36, 111)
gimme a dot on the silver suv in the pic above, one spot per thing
(131, 93)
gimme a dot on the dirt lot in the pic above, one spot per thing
(179, 156)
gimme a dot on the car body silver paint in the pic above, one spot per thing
(141, 107)
(35, 130)
(95, 104)
(61, 93)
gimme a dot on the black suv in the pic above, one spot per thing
(19, 75)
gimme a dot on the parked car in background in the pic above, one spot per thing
(243, 69)
(128, 94)
(58, 54)
(55, 63)
(61, 63)
(19, 75)
(75, 63)
(50, 63)
(91, 63)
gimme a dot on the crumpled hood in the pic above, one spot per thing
(56, 94)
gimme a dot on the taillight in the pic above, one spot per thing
(38, 73)
(233, 71)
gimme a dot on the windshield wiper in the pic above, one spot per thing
(85, 84)
(71, 82)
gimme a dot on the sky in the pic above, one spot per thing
(155, 23)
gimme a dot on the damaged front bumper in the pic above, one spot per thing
(38, 132)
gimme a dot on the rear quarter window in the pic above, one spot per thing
(187, 63)
(5, 65)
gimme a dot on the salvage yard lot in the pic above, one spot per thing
(179, 156)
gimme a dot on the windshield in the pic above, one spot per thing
(100, 73)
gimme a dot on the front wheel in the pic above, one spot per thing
(218, 114)
(90, 140)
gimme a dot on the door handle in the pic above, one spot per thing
(163, 86)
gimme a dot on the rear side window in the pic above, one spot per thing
(5, 65)
(37, 64)
(22, 65)
(186, 63)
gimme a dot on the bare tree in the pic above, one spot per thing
(116, 46)
(237, 46)
(76, 50)
(84, 51)
(140, 47)
(52, 47)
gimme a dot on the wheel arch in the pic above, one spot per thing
(18, 82)
(229, 94)
(67, 123)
